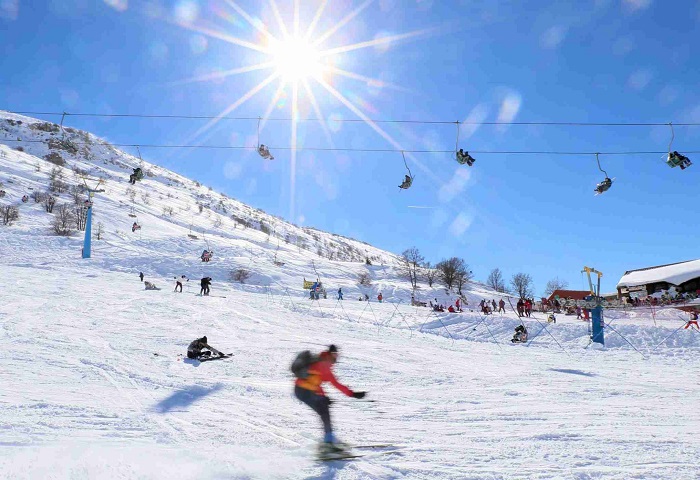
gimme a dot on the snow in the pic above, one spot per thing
(93, 384)
(674, 274)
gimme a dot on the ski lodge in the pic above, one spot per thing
(569, 295)
(685, 276)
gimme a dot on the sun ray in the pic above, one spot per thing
(224, 74)
(342, 22)
(375, 127)
(293, 163)
(317, 111)
(376, 41)
(296, 18)
(317, 17)
(278, 16)
(256, 25)
(357, 76)
(223, 36)
(250, 93)
(271, 105)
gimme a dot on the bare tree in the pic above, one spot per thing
(99, 231)
(76, 192)
(217, 222)
(364, 280)
(240, 275)
(496, 281)
(49, 202)
(522, 285)
(411, 260)
(453, 271)
(555, 284)
(430, 273)
(9, 214)
(63, 221)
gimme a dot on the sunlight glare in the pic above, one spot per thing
(296, 59)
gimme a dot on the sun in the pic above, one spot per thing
(296, 59)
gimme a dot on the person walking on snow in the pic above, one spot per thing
(340, 293)
(141, 276)
(205, 282)
(501, 306)
(309, 390)
(459, 309)
(179, 281)
(379, 297)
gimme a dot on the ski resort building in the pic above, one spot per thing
(569, 294)
(685, 276)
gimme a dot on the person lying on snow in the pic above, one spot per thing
(196, 349)
(520, 335)
(150, 286)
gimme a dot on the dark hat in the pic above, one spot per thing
(333, 349)
(204, 339)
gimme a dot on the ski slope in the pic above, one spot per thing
(93, 383)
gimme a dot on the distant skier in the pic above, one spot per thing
(311, 372)
(205, 283)
(501, 306)
(340, 294)
(179, 281)
(196, 349)
(380, 297)
(141, 276)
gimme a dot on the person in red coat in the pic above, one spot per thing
(310, 391)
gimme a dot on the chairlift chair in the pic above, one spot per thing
(674, 158)
(463, 158)
(263, 151)
(408, 179)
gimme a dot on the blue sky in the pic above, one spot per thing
(618, 61)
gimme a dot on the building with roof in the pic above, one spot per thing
(572, 294)
(685, 276)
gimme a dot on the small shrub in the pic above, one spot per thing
(9, 213)
(63, 221)
(168, 211)
(240, 275)
(364, 280)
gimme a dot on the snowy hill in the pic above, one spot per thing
(93, 384)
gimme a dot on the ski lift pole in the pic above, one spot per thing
(87, 241)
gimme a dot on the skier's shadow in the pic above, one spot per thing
(330, 471)
(180, 400)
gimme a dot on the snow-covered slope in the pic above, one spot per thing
(92, 384)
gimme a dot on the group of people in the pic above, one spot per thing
(205, 283)
(524, 307)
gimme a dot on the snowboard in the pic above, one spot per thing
(363, 451)
(215, 357)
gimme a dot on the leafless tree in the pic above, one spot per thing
(522, 285)
(496, 281)
(411, 260)
(63, 221)
(364, 280)
(9, 214)
(555, 284)
(453, 272)
(99, 231)
(430, 273)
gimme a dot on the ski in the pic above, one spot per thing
(218, 357)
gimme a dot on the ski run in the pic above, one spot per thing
(95, 382)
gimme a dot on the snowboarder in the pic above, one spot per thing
(366, 298)
(135, 227)
(196, 349)
(464, 157)
(340, 293)
(501, 306)
(137, 175)
(379, 297)
(459, 308)
(150, 286)
(520, 335)
(205, 283)
(406, 184)
(179, 281)
(264, 152)
(141, 276)
(693, 321)
(311, 372)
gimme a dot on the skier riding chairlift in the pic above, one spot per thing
(137, 175)
(206, 255)
(135, 227)
(464, 158)
(603, 186)
(265, 152)
(675, 159)
(408, 181)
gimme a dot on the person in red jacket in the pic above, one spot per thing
(310, 391)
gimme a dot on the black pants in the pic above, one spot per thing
(318, 404)
(178, 285)
(204, 290)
